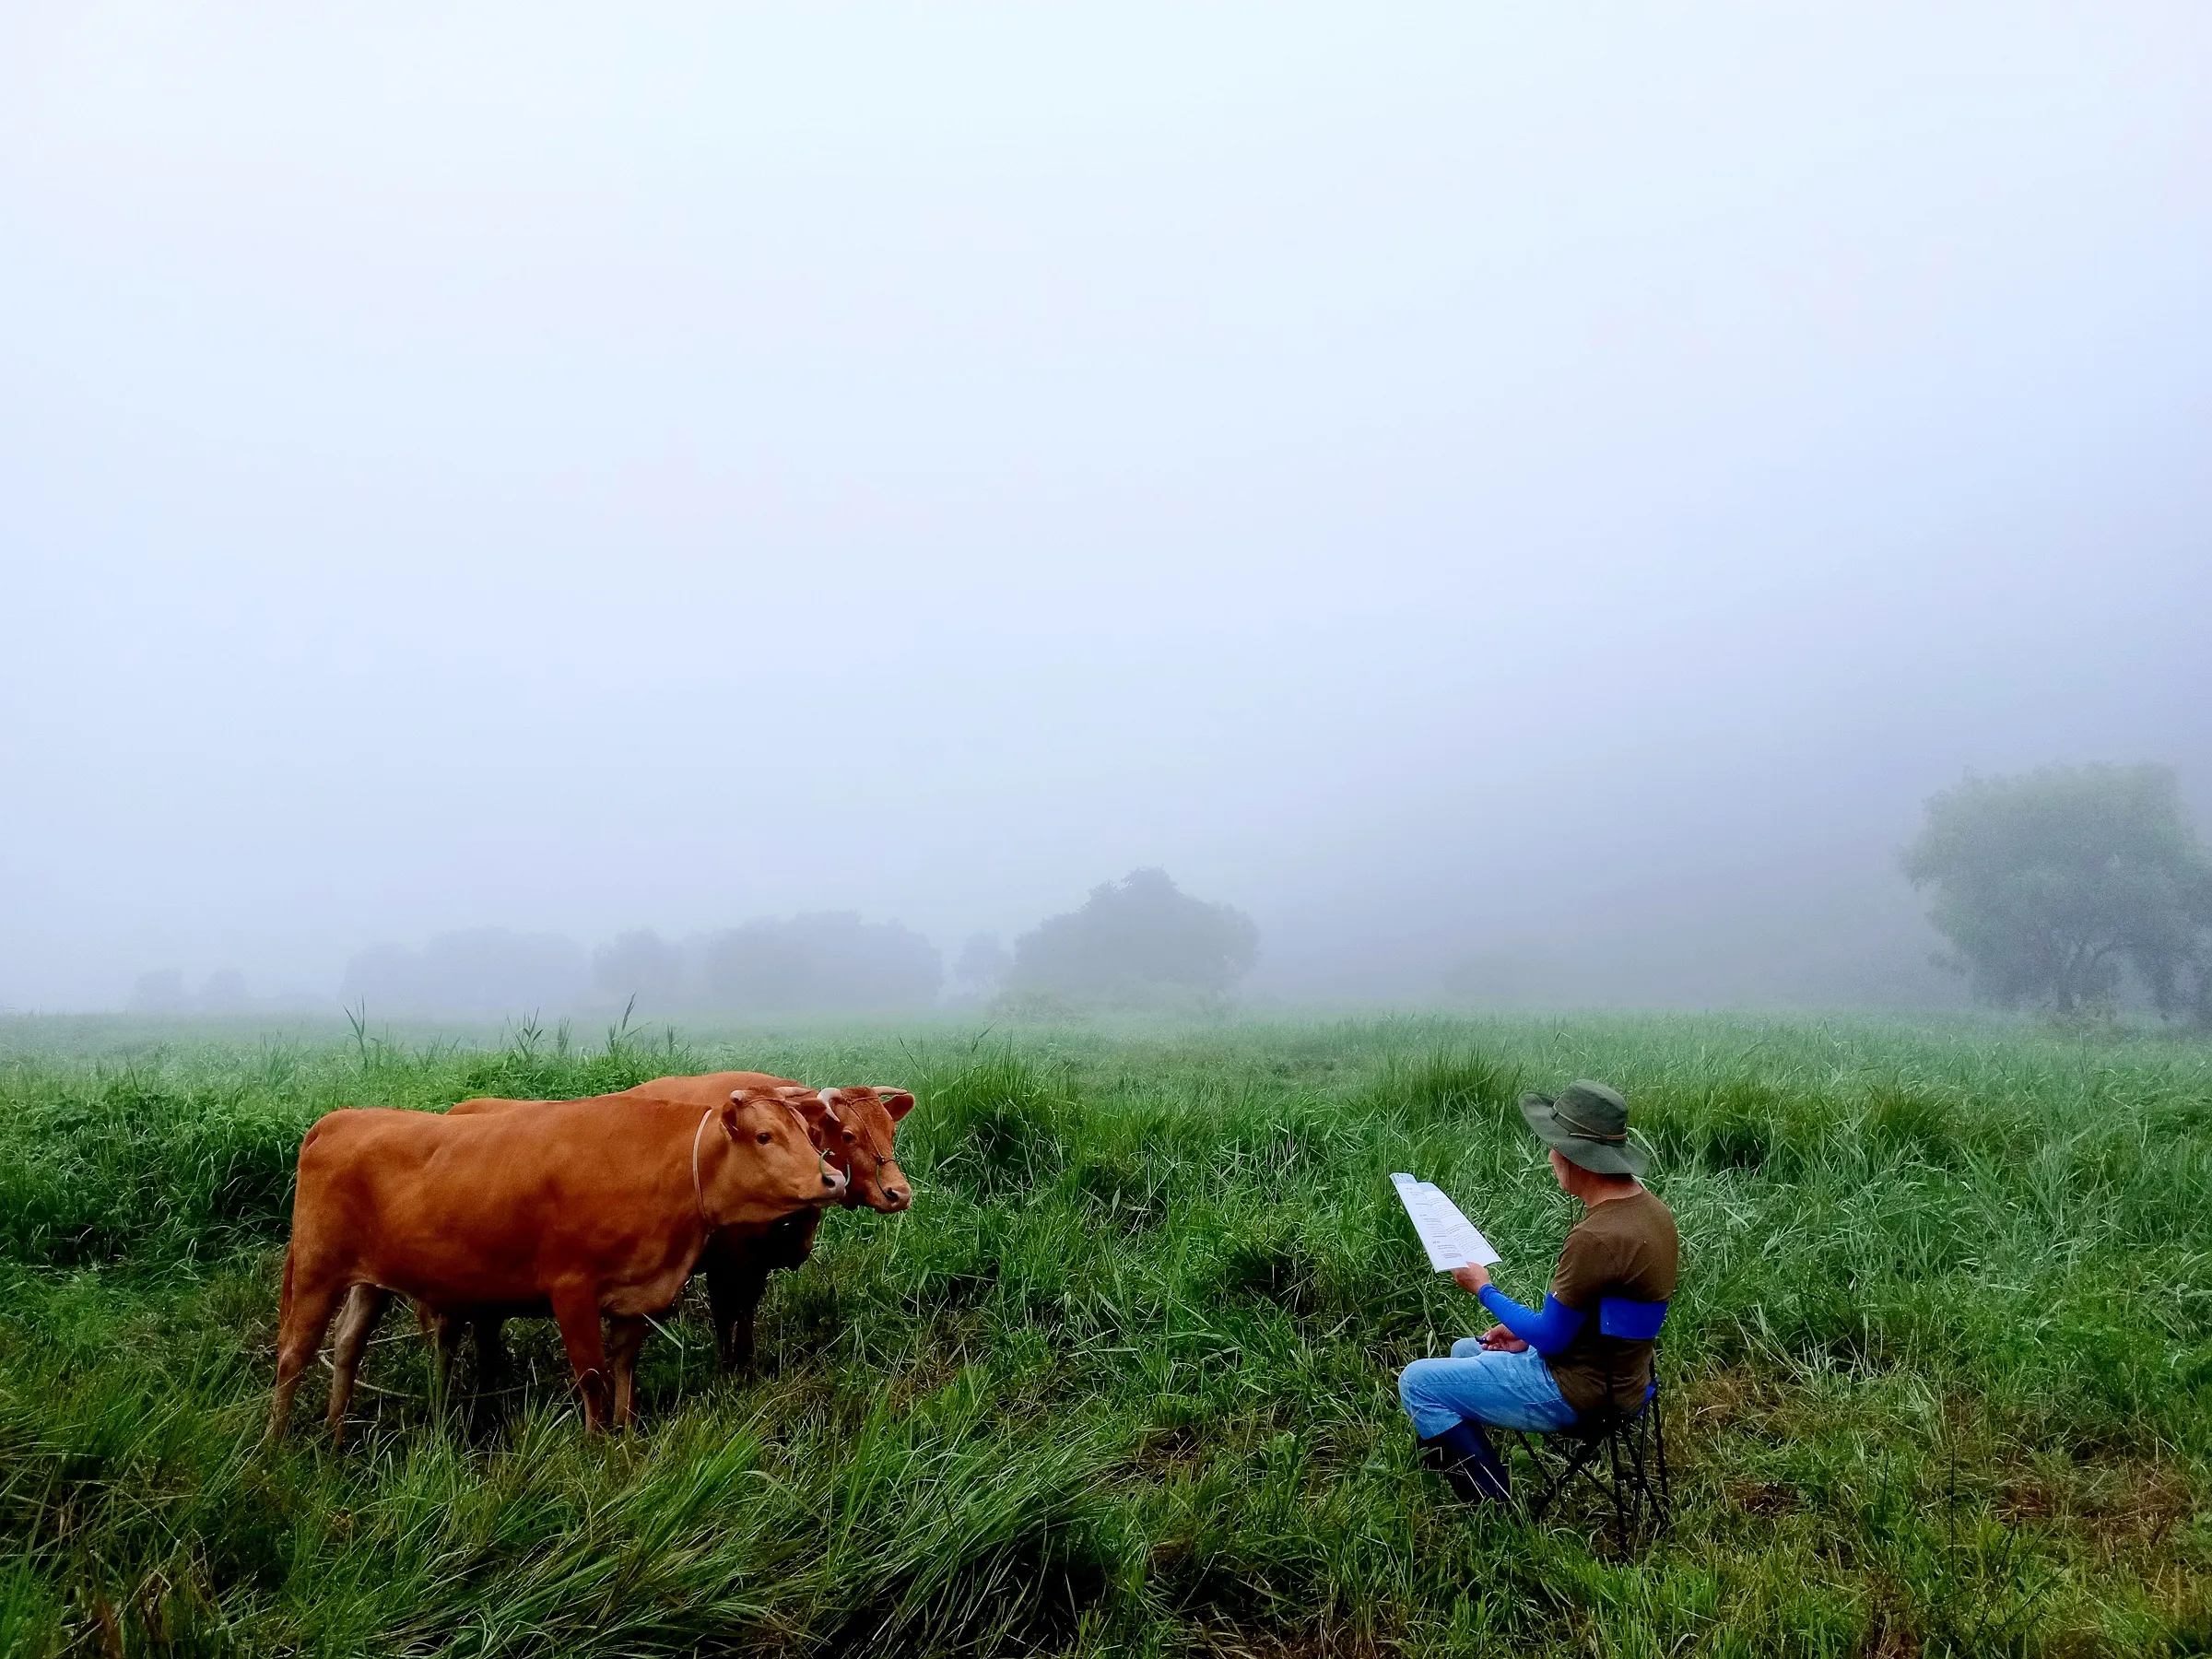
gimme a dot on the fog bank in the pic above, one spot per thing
(1523, 507)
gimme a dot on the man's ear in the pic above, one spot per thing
(897, 1101)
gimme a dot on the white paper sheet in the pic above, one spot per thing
(1450, 1239)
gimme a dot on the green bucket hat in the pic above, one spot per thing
(1587, 1125)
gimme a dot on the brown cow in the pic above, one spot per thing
(580, 1208)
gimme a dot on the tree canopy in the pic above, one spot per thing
(2050, 884)
(1139, 931)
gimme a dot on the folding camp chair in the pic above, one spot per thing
(1622, 1453)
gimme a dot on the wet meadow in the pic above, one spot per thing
(1940, 1379)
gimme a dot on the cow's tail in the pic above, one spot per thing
(291, 1247)
(284, 1297)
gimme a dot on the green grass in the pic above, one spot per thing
(1940, 1375)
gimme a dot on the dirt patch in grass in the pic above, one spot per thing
(2132, 1506)
(1732, 1399)
(936, 1369)
(1764, 1497)
(1173, 1449)
(1252, 1644)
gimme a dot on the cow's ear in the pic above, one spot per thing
(897, 1101)
(814, 1112)
(739, 1099)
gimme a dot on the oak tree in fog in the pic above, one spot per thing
(2048, 885)
(831, 960)
(982, 966)
(160, 992)
(640, 965)
(163, 992)
(1138, 931)
(484, 972)
(223, 992)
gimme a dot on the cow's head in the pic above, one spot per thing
(777, 1168)
(866, 1119)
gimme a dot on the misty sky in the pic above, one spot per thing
(1437, 479)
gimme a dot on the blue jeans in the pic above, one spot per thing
(1506, 1391)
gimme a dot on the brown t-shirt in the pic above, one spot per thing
(1624, 1247)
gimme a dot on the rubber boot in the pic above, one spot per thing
(1470, 1464)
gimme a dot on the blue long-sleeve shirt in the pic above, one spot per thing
(1548, 1332)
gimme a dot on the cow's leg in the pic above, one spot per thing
(442, 1331)
(737, 1279)
(446, 1330)
(625, 1337)
(491, 1353)
(789, 1242)
(488, 1401)
(365, 1305)
(311, 1296)
(737, 1270)
(576, 1310)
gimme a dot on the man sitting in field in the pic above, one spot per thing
(1544, 1370)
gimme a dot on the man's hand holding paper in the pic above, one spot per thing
(1450, 1239)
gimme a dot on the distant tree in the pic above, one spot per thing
(1140, 930)
(223, 992)
(643, 965)
(982, 966)
(2048, 884)
(488, 971)
(827, 961)
(160, 992)
(1529, 975)
(757, 966)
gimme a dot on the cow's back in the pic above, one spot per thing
(707, 1089)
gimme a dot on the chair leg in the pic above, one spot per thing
(1540, 1478)
(1559, 1482)
(1634, 1477)
(1640, 1466)
(1620, 1493)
